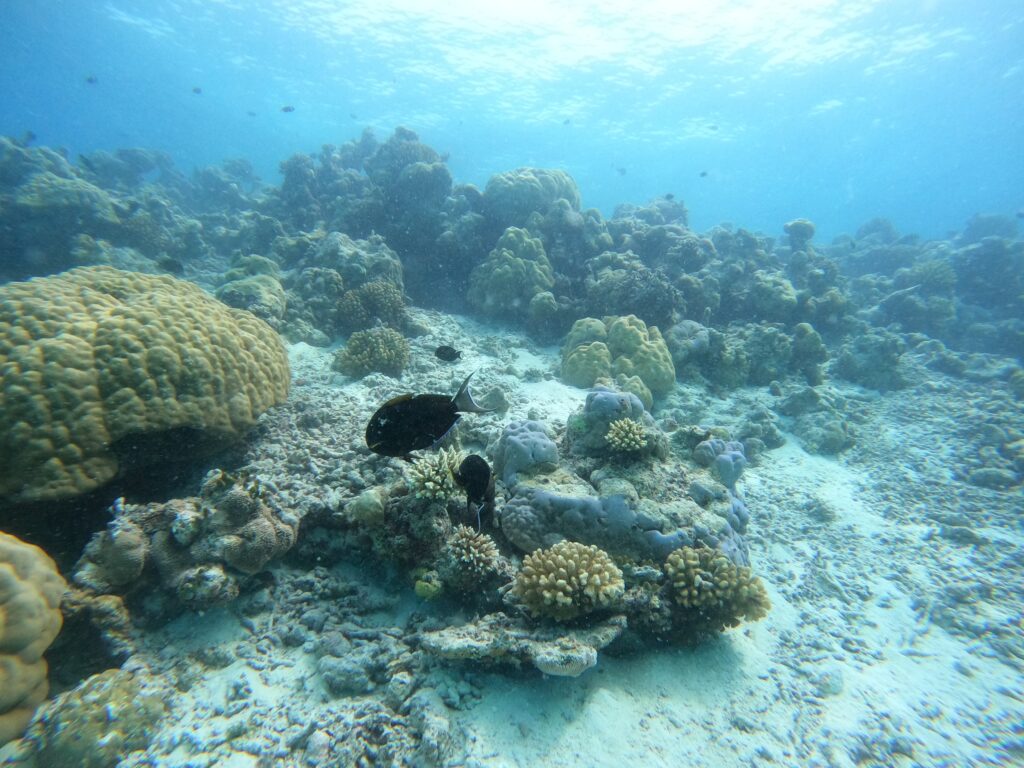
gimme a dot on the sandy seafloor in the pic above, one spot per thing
(894, 639)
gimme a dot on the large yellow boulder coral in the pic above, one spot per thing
(95, 359)
(30, 618)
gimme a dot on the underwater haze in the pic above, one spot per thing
(753, 112)
(533, 384)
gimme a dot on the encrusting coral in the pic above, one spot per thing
(376, 349)
(95, 358)
(567, 581)
(30, 618)
(714, 591)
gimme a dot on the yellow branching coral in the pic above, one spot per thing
(626, 436)
(377, 349)
(433, 476)
(568, 580)
(719, 591)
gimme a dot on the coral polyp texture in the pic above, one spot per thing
(30, 618)
(567, 581)
(714, 591)
(97, 359)
(379, 349)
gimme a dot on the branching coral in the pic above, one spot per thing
(469, 559)
(377, 300)
(714, 592)
(626, 436)
(568, 580)
(376, 349)
(433, 476)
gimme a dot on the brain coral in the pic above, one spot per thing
(568, 580)
(95, 359)
(30, 618)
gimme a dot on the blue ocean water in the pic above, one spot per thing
(752, 112)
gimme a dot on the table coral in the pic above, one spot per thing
(567, 581)
(30, 618)
(96, 358)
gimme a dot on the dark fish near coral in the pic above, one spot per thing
(288, 108)
(669, 196)
(412, 422)
(476, 477)
(92, 79)
(170, 264)
(448, 354)
(197, 90)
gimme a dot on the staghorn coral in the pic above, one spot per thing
(568, 580)
(377, 349)
(94, 725)
(433, 476)
(626, 436)
(30, 618)
(713, 592)
(96, 360)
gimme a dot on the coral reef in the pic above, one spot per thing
(372, 303)
(95, 725)
(510, 197)
(513, 273)
(193, 552)
(30, 618)
(614, 424)
(712, 592)
(524, 446)
(557, 650)
(100, 360)
(567, 581)
(626, 436)
(377, 349)
(469, 561)
(433, 476)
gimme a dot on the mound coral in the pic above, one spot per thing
(511, 197)
(513, 273)
(433, 476)
(568, 580)
(96, 360)
(30, 618)
(375, 301)
(376, 349)
(714, 592)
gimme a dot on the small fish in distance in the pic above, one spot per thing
(92, 79)
(197, 90)
(288, 108)
(448, 354)
(476, 477)
(412, 422)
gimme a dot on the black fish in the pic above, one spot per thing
(92, 79)
(171, 264)
(703, 174)
(197, 90)
(476, 477)
(289, 108)
(413, 422)
(670, 197)
(448, 354)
